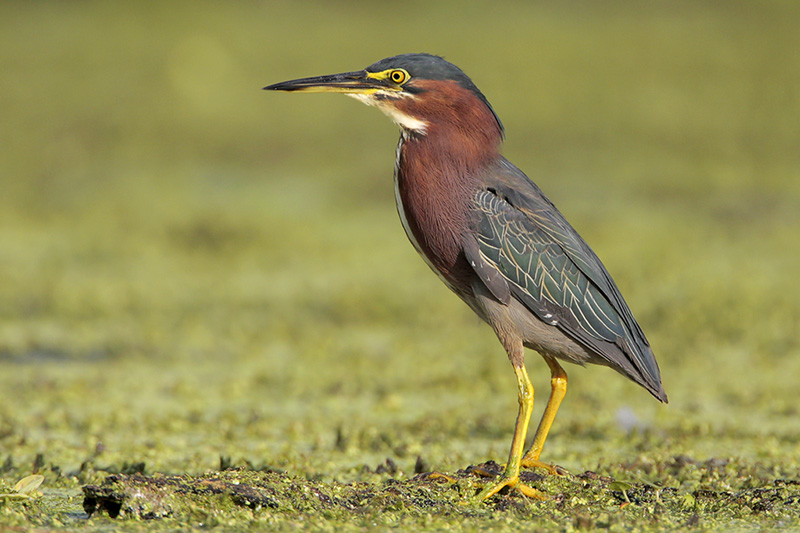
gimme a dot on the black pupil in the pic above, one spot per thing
(397, 76)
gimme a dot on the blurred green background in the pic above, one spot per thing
(193, 268)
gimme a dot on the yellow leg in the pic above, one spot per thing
(558, 389)
(510, 477)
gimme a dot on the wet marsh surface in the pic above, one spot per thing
(206, 290)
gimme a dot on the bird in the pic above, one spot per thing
(495, 240)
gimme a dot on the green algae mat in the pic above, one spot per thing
(210, 316)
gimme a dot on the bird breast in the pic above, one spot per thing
(432, 208)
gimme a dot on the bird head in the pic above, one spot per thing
(419, 92)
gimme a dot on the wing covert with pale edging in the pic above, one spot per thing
(549, 268)
(534, 263)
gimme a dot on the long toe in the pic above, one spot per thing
(535, 463)
(512, 483)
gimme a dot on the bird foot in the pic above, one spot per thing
(554, 470)
(513, 483)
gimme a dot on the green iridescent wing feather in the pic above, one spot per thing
(532, 261)
(548, 267)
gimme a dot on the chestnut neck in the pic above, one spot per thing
(437, 172)
(461, 129)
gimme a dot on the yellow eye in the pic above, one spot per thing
(399, 76)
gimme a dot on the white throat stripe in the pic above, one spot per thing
(406, 122)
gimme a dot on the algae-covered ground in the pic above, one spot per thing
(210, 315)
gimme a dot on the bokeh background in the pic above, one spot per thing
(192, 268)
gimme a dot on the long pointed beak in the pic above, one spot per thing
(347, 82)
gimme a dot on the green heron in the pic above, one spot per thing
(495, 239)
